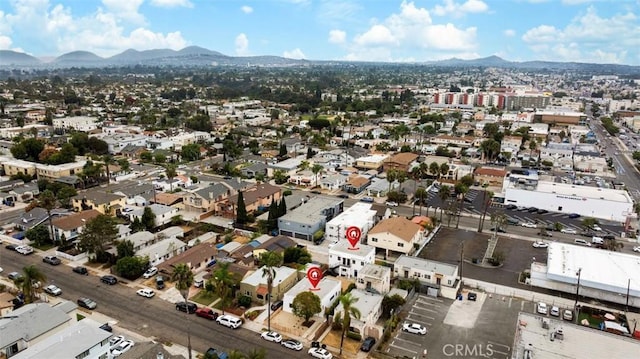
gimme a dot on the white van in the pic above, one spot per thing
(581, 242)
(597, 240)
(229, 321)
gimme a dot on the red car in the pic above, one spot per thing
(208, 313)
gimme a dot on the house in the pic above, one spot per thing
(36, 216)
(347, 261)
(162, 250)
(206, 199)
(198, 257)
(26, 193)
(396, 234)
(84, 339)
(304, 221)
(445, 140)
(489, 176)
(29, 325)
(77, 123)
(356, 184)
(254, 170)
(255, 198)
(327, 289)
(359, 215)
(141, 239)
(439, 278)
(68, 228)
(333, 182)
(303, 178)
(511, 144)
(255, 284)
(163, 213)
(403, 162)
(370, 307)
(374, 278)
(149, 350)
(371, 162)
(96, 198)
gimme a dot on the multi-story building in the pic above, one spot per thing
(77, 123)
(255, 284)
(440, 278)
(312, 216)
(359, 215)
(396, 234)
(374, 278)
(347, 261)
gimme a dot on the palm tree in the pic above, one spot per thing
(347, 300)
(434, 169)
(420, 194)
(461, 190)
(444, 192)
(47, 201)
(236, 354)
(316, 169)
(444, 169)
(270, 260)
(183, 277)
(171, 172)
(486, 201)
(31, 275)
(391, 177)
(304, 165)
(108, 160)
(223, 283)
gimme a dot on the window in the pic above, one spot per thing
(427, 276)
(449, 282)
(83, 355)
(373, 239)
(259, 296)
(400, 244)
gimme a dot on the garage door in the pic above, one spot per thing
(432, 292)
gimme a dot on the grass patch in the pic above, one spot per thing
(306, 117)
(593, 322)
(79, 317)
(43, 246)
(204, 298)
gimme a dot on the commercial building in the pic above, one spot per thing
(437, 278)
(359, 215)
(604, 275)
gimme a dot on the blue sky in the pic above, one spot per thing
(599, 31)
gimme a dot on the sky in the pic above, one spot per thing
(595, 31)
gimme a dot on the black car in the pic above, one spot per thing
(11, 247)
(188, 307)
(159, 282)
(532, 209)
(472, 296)
(106, 327)
(276, 305)
(109, 279)
(499, 230)
(81, 270)
(574, 215)
(343, 196)
(316, 192)
(511, 206)
(368, 344)
(545, 234)
(542, 211)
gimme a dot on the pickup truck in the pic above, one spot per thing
(208, 313)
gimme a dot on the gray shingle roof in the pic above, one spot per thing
(30, 322)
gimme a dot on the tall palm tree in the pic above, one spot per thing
(391, 177)
(223, 283)
(171, 172)
(420, 194)
(27, 283)
(108, 160)
(486, 200)
(270, 260)
(47, 201)
(461, 190)
(183, 277)
(444, 192)
(347, 300)
(316, 169)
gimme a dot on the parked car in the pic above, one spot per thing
(24, 250)
(106, 327)
(511, 206)
(122, 348)
(567, 314)
(367, 199)
(207, 313)
(229, 321)
(292, 344)
(555, 311)
(542, 211)
(187, 307)
(215, 353)
(198, 282)
(574, 215)
(541, 308)
(87, 303)
(271, 336)
(596, 227)
(391, 204)
(150, 272)
(569, 231)
(159, 282)
(414, 328)
(276, 305)
(11, 246)
(368, 344)
(343, 196)
(53, 260)
(636, 249)
(528, 225)
(581, 242)
(109, 279)
(14, 276)
(540, 244)
(499, 230)
(53, 290)
(472, 296)
(146, 292)
(532, 209)
(114, 341)
(545, 234)
(320, 353)
(81, 270)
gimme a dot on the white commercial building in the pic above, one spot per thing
(347, 261)
(601, 203)
(78, 123)
(359, 215)
(328, 290)
(604, 275)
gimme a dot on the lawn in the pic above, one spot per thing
(593, 322)
(204, 298)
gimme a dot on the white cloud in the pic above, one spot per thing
(587, 38)
(411, 29)
(458, 9)
(171, 3)
(338, 12)
(125, 9)
(337, 37)
(246, 9)
(509, 33)
(294, 54)
(242, 45)
(5, 42)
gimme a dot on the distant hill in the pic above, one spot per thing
(195, 56)
(8, 58)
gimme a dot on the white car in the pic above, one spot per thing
(555, 311)
(636, 249)
(540, 244)
(529, 225)
(292, 344)
(542, 308)
(414, 328)
(146, 292)
(320, 353)
(596, 227)
(392, 204)
(150, 272)
(114, 341)
(122, 348)
(271, 337)
(53, 290)
(24, 250)
(569, 231)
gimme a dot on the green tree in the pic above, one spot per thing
(257, 353)
(171, 173)
(190, 152)
(148, 219)
(124, 164)
(589, 222)
(306, 304)
(125, 249)
(461, 190)
(272, 220)
(47, 201)
(107, 160)
(131, 267)
(391, 302)
(136, 225)
(282, 208)
(296, 255)
(317, 169)
(434, 169)
(97, 233)
(38, 234)
(420, 195)
(444, 169)
(146, 156)
(32, 278)
(223, 282)
(241, 210)
(347, 300)
(443, 193)
(270, 261)
(160, 157)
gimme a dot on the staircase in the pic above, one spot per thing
(491, 247)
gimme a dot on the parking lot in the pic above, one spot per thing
(484, 328)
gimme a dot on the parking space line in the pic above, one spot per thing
(401, 348)
(426, 309)
(430, 298)
(405, 340)
(421, 315)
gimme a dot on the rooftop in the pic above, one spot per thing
(400, 227)
(374, 270)
(76, 220)
(343, 246)
(256, 278)
(311, 211)
(366, 304)
(426, 265)
(584, 192)
(324, 288)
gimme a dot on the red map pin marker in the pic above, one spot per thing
(314, 275)
(353, 236)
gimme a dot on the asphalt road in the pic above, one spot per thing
(149, 317)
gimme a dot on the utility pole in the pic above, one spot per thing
(575, 305)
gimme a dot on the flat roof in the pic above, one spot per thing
(577, 343)
(343, 247)
(325, 287)
(425, 265)
(359, 213)
(567, 189)
(366, 303)
(599, 269)
(310, 212)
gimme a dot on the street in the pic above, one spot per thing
(153, 318)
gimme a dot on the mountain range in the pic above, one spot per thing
(198, 56)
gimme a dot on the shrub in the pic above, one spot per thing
(244, 301)
(287, 192)
(354, 336)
